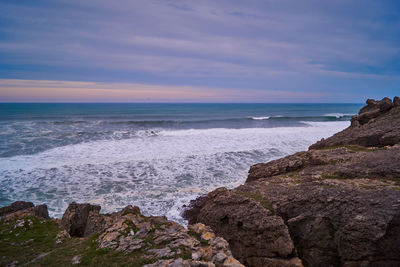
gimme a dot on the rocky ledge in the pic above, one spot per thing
(337, 204)
(84, 236)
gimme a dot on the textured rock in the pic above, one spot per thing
(250, 226)
(129, 231)
(20, 209)
(81, 220)
(346, 162)
(16, 206)
(338, 204)
(376, 125)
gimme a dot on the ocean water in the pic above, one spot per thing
(155, 156)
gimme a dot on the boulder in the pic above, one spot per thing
(81, 220)
(16, 206)
(396, 101)
(249, 223)
(21, 209)
(376, 125)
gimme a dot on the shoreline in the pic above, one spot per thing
(315, 207)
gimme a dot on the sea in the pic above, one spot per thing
(155, 156)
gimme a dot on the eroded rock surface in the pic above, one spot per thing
(19, 209)
(81, 220)
(376, 125)
(255, 233)
(154, 237)
(337, 204)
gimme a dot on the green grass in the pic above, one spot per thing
(353, 148)
(26, 243)
(333, 176)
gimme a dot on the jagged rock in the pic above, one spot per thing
(346, 162)
(396, 101)
(252, 230)
(16, 206)
(128, 231)
(62, 236)
(340, 204)
(81, 220)
(376, 125)
(20, 209)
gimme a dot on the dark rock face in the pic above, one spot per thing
(254, 232)
(81, 220)
(376, 125)
(339, 201)
(16, 206)
(21, 208)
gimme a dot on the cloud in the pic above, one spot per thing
(12, 90)
(270, 45)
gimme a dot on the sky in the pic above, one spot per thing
(199, 51)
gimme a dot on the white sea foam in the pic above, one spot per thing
(260, 118)
(158, 172)
(337, 115)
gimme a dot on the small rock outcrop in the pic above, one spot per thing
(19, 209)
(81, 220)
(128, 231)
(337, 204)
(376, 125)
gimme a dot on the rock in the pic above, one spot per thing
(62, 236)
(251, 229)
(338, 206)
(346, 162)
(16, 206)
(169, 263)
(163, 252)
(137, 237)
(396, 101)
(276, 167)
(376, 125)
(20, 209)
(41, 211)
(76, 260)
(156, 237)
(81, 220)
(232, 262)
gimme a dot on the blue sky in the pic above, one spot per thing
(199, 51)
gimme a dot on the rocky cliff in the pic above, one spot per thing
(337, 204)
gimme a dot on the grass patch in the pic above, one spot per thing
(353, 148)
(35, 245)
(333, 176)
(23, 244)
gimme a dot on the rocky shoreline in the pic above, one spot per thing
(337, 204)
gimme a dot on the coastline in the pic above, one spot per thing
(312, 208)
